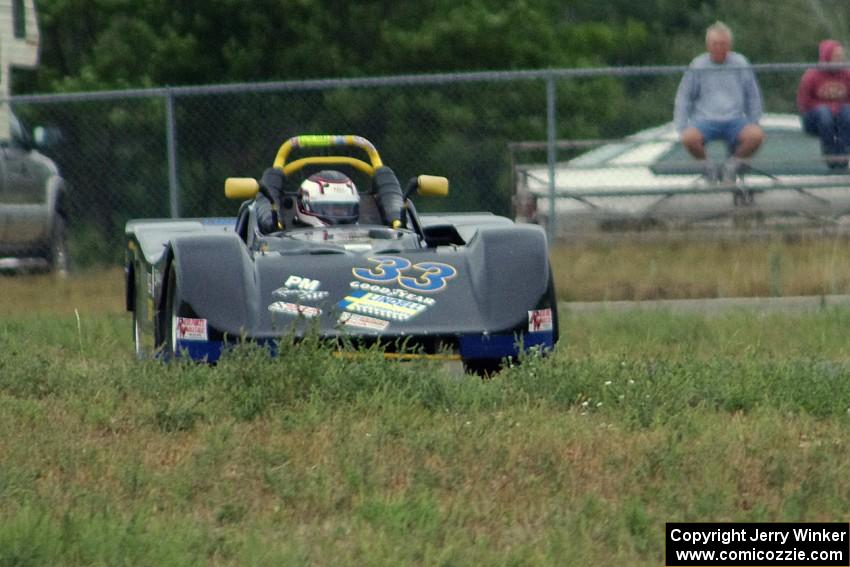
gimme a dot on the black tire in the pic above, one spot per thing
(483, 367)
(137, 337)
(168, 318)
(132, 303)
(552, 298)
(56, 250)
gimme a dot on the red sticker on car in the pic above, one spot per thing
(540, 320)
(189, 329)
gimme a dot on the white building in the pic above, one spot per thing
(19, 42)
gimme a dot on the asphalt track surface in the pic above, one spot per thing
(797, 304)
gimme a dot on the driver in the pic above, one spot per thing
(325, 198)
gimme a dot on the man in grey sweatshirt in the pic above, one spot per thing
(719, 99)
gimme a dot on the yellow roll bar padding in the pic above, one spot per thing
(294, 166)
(433, 186)
(327, 141)
(241, 188)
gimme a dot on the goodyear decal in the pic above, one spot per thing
(393, 292)
(383, 306)
(422, 277)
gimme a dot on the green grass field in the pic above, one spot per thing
(580, 458)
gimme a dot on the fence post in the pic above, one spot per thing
(551, 155)
(171, 143)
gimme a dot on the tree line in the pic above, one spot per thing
(110, 44)
(114, 153)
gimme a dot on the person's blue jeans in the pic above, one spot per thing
(832, 129)
(726, 130)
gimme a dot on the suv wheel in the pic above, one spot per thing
(57, 248)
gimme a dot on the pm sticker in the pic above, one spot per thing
(540, 320)
(299, 288)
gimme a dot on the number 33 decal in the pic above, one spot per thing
(432, 276)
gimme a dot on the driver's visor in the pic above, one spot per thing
(335, 211)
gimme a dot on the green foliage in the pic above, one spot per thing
(360, 460)
(114, 154)
(33, 535)
(108, 44)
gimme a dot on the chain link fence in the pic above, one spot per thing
(166, 152)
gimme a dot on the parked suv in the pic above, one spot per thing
(32, 203)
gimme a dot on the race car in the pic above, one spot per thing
(473, 287)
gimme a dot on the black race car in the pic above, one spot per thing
(468, 286)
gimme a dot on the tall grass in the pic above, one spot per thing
(636, 420)
(91, 292)
(634, 270)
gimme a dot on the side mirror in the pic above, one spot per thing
(432, 186)
(241, 188)
(427, 186)
(46, 136)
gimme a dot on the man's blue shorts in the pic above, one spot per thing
(726, 130)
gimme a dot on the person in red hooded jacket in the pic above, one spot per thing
(823, 99)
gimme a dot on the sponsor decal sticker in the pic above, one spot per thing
(383, 306)
(392, 292)
(189, 329)
(363, 321)
(294, 309)
(306, 284)
(540, 320)
(300, 289)
(300, 295)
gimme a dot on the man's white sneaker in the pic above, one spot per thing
(730, 169)
(711, 172)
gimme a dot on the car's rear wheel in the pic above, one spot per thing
(56, 252)
(484, 367)
(170, 315)
(137, 345)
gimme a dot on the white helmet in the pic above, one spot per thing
(327, 198)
